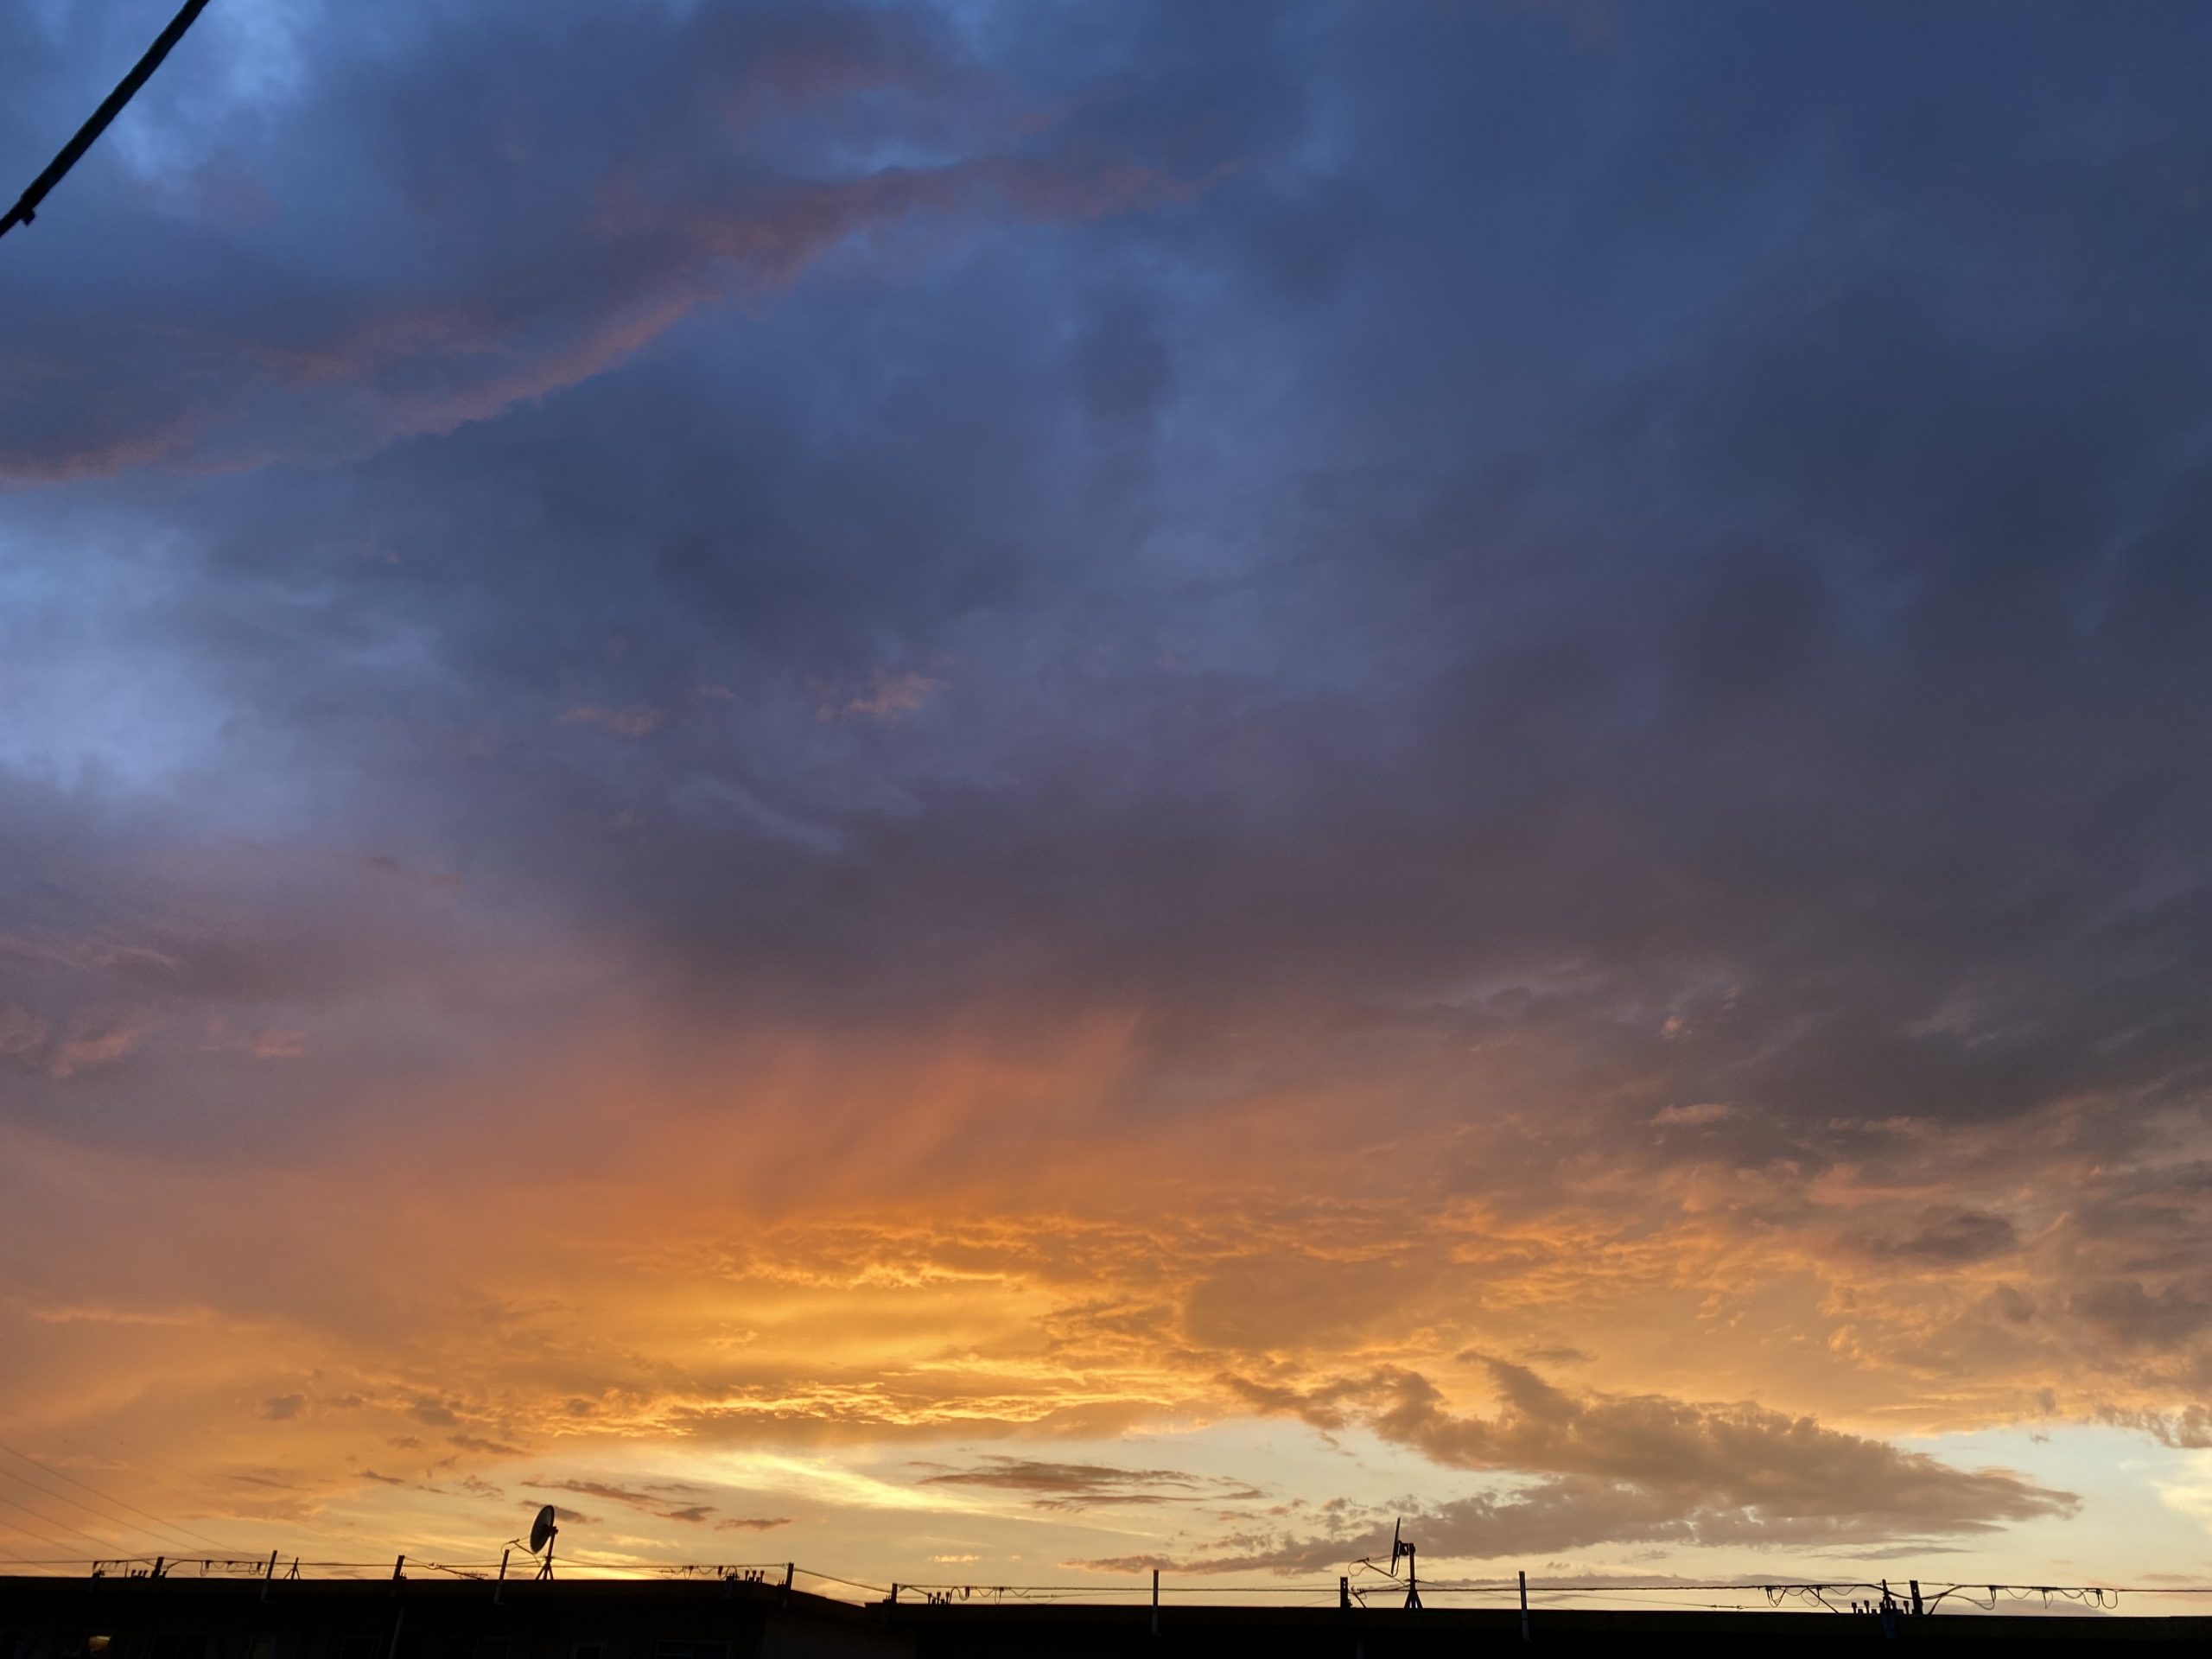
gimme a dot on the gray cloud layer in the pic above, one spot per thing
(1651, 582)
(1645, 1469)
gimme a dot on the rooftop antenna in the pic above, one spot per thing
(543, 1532)
(1400, 1550)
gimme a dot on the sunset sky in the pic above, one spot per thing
(1005, 790)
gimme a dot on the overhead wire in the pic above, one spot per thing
(117, 1502)
(27, 205)
(137, 1453)
(2103, 1596)
(77, 1504)
(21, 1560)
(18, 1505)
(30, 1532)
(138, 1457)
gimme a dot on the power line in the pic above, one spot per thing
(27, 206)
(107, 1519)
(1278, 1593)
(139, 1474)
(138, 1455)
(29, 1532)
(198, 1537)
(139, 1452)
(53, 1520)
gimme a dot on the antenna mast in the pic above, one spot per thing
(1400, 1546)
(1400, 1550)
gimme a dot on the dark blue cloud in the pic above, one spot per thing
(1671, 551)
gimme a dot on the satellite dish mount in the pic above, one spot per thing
(543, 1532)
(1400, 1550)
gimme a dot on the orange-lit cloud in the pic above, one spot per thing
(921, 784)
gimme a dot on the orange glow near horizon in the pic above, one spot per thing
(432, 1333)
(971, 790)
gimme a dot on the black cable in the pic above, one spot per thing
(55, 1521)
(99, 1515)
(27, 206)
(28, 1532)
(198, 1537)
(138, 1455)
(136, 1473)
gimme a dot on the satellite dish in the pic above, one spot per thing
(1400, 1550)
(543, 1532)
